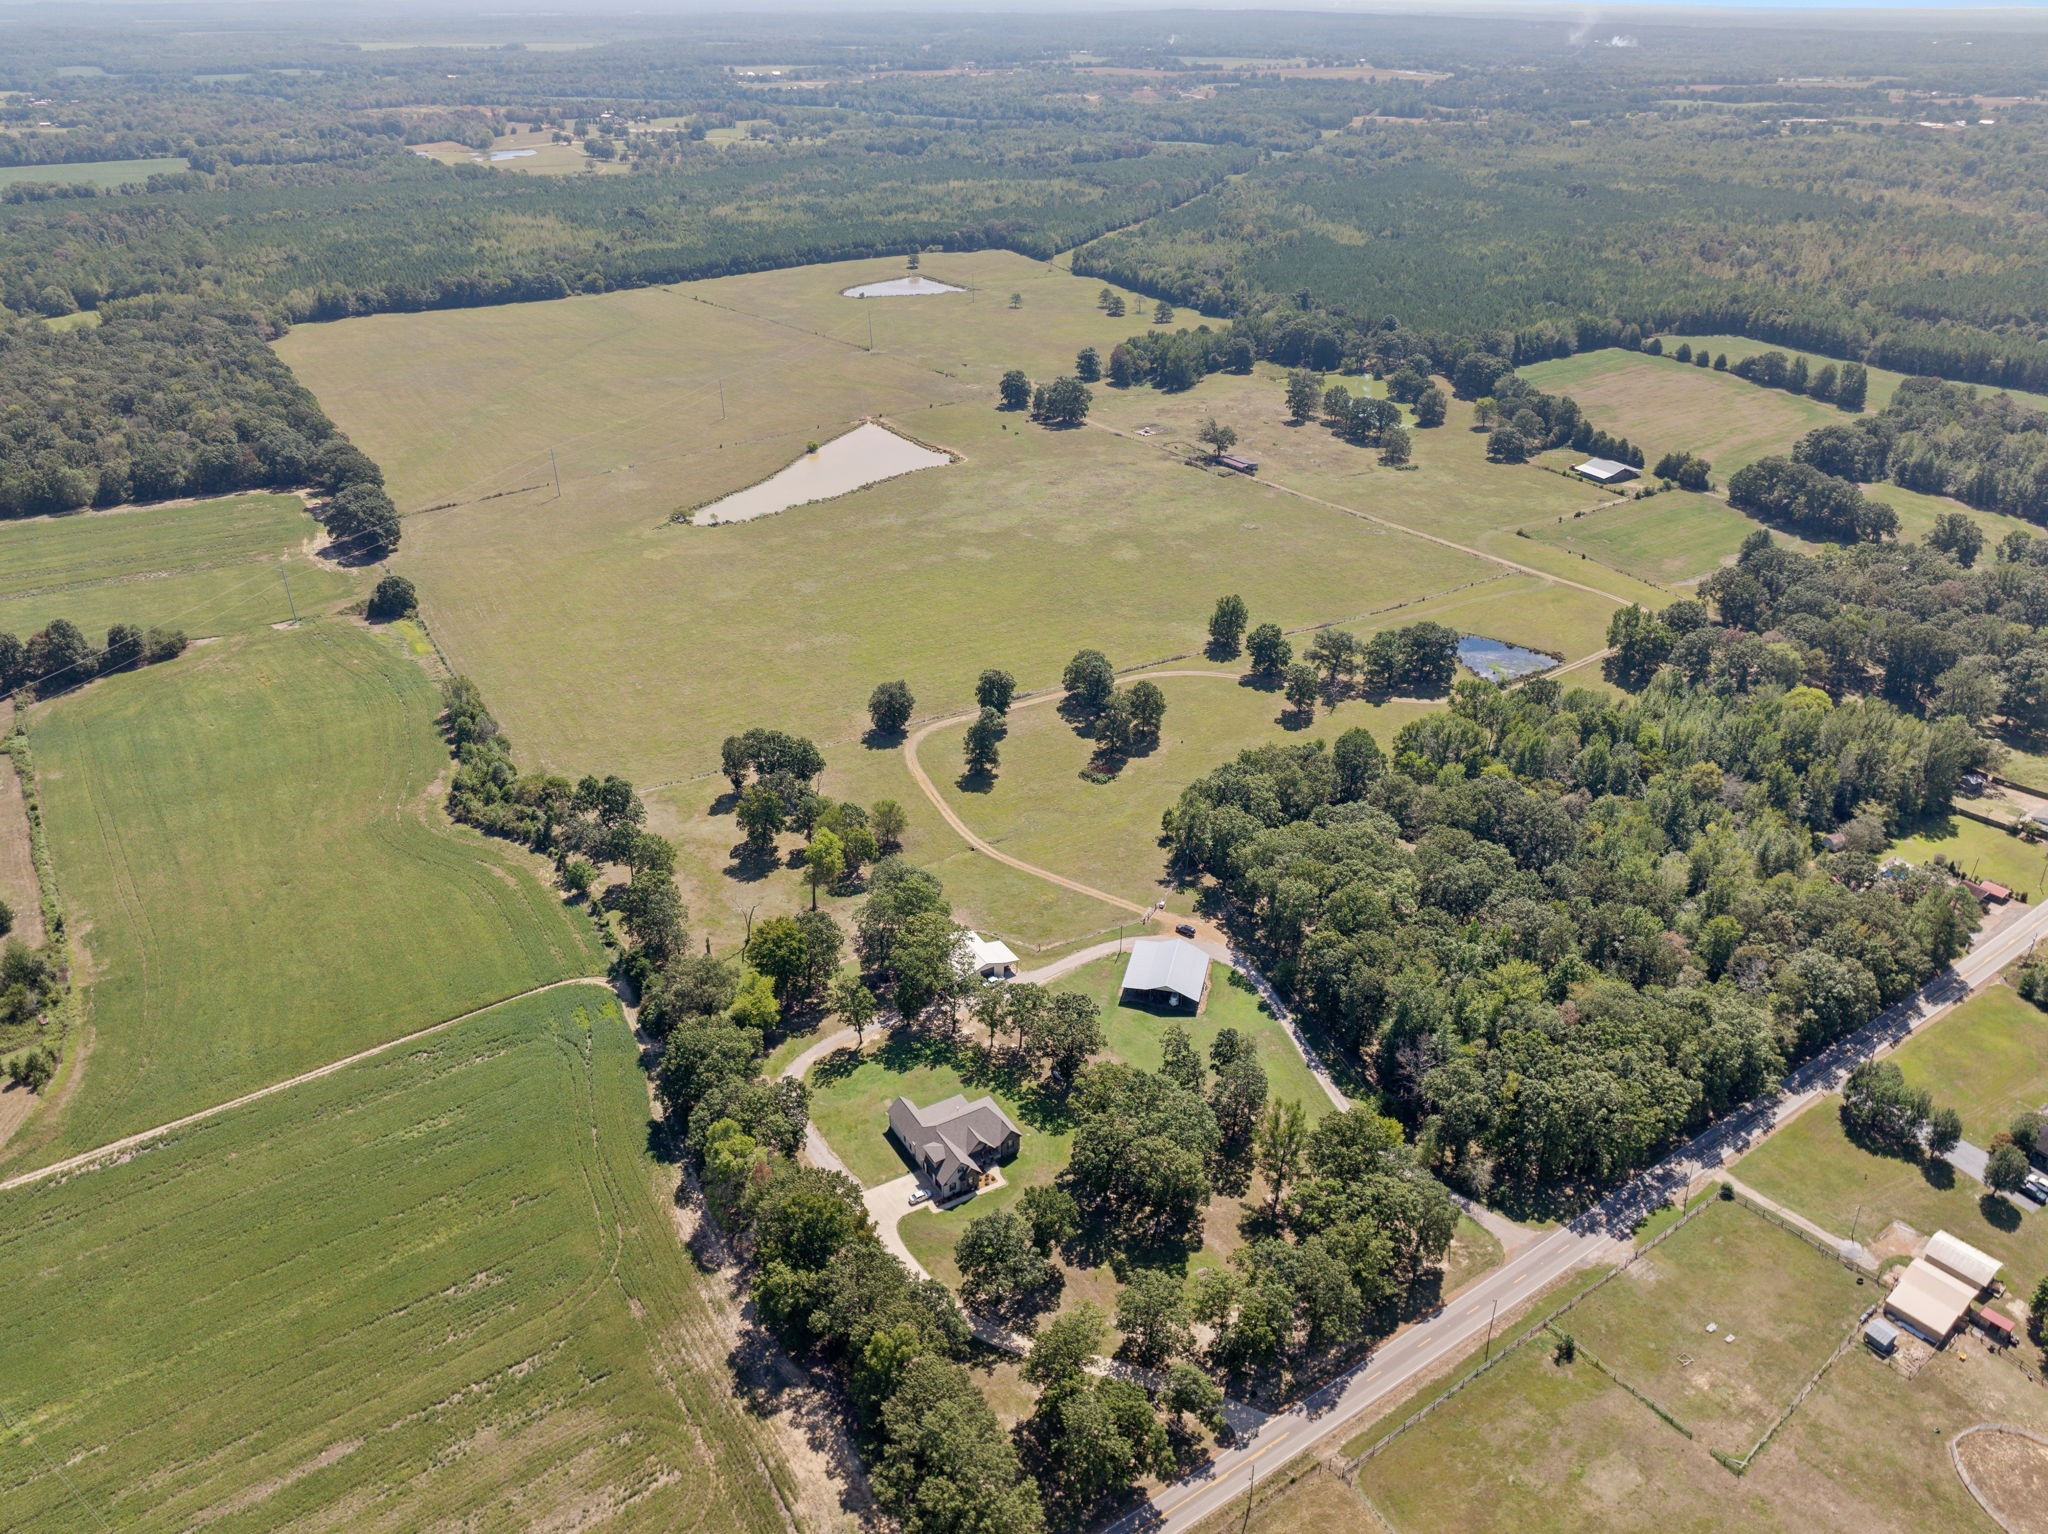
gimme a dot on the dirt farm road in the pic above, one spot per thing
(116, 1151)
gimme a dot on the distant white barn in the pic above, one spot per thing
(990, 957)
(1168, 969)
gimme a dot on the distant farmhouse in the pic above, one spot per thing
(953, 1142)
(1604, 471)
(1167, 971)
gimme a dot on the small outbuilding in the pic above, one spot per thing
(1167, 971)
(1881, 1337)
(1989, 892)
(990, 957)
(1604, 471)
(1236, 464)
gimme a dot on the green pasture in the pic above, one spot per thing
(1980, 851)
(261, 878)
(1988, 1060)
(1778, 1305)
(1536, 1444)
(1661, 406)
(1037, 807)
(442, 1288)
(1669, 539)
(100, 173)
(1812, 1167)
(211, 567)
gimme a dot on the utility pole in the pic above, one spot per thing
(555, 469)
(871, 330)
(1250, 1495)
(1489, 1332)
(281, 575)
(721, 399)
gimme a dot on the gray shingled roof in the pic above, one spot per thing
(949, 1134)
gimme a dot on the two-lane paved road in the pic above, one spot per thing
(1355, 1397)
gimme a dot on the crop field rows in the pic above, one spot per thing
(248, 841)
(438, 1288)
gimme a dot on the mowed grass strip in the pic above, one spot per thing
(99, 173)
(438, 1289)
(251, 846)
(1812, 1167)
(212, 567)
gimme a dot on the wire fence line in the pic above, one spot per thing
(1351, 1467)
(1741, 1466)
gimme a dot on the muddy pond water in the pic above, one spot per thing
(866, 455)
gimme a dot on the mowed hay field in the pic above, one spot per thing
(211, 567)
(261, 878)
(607, 638)
(583, 614)
(1661, 405)
(1670, 539)
(440, 1289)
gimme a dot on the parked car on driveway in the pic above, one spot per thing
(918, 1196)
(1186, 929)
(2036, 1187)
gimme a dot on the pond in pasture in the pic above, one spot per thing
(498, 155)
(1498, 661)
(864, 456)
(913, 286)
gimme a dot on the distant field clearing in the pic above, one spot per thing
(867, 455)
(94, 172)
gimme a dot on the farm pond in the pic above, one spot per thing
(1498, 661)
(864, 456)
(912, 286)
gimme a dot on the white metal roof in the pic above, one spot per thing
(1930, 1300)
(985, 951)
(1955, 1256)
(1603, 468)
(1167, 964)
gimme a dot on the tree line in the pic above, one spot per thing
(59, 657)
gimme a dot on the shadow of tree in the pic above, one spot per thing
(1999, 1212)
(977, 781)
(883, 740)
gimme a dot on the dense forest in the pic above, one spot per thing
(1556, 931)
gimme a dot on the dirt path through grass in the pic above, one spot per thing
(101, 1155)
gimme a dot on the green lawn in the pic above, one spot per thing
(1811, 1166)
(251, 846)
(1988, 1060)
(100, 173)
(1981, 851)
(1134, 1032)
(214, 567)
(440, 1289)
